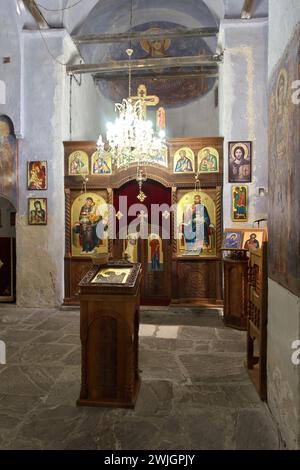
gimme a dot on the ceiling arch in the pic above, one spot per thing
(73, 16)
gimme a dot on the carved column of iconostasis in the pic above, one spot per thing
(175, 270)
(196, 264)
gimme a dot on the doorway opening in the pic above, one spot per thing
(7, 251)
(155, 251)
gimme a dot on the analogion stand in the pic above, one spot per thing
(235, 263)
(109, 324)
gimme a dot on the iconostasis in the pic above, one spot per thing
(186, 180)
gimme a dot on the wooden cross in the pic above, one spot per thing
(146, 100)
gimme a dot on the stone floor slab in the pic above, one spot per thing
(195, 391)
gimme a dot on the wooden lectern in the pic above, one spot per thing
(109, 324)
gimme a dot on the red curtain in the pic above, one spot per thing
(156, 194)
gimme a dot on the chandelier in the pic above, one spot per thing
(131, 138)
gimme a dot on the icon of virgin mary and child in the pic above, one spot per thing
(89, 226)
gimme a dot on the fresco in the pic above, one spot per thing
(8, 160)
(284, 171)
(175, 92)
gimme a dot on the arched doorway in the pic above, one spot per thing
(7, 251)
(8, 204)
(152, 249)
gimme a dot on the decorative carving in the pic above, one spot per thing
(130, 282)
(110, 217)
(67, 222)
(196, 280)
(219, 219)
(174, 222)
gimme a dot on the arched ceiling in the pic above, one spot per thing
(75, 17)
(96, 17)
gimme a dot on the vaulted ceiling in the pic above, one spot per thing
(92, 14)
(179, 81)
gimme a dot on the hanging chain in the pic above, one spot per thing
(129, 53)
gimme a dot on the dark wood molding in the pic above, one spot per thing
(247, 10)
(145, 35)
(214, 73)
(36, 13)
(142, 64)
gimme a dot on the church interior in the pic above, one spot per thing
(149, 225)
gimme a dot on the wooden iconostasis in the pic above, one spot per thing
(101, 199)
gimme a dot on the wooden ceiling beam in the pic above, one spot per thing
(142, 64)
(247, 9)
(36, 13)
(145, 35)
(166, 76)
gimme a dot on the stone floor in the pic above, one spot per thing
(195, 391)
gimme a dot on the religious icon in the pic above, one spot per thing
(253, 239)
(156, 47)
(184, 161)
(282, 131)
(37, 211)
(89, 218)
(239, 204)
(155, 255)
(130, 247)
(160, 156)
(78, 163)
(161, 118)
(196, 221)
(232, 239)
(239, 163)
(8, 160)
(37, 175)
(112, 275)
(101, 164)
(208, 160)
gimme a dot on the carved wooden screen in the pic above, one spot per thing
(257, 320)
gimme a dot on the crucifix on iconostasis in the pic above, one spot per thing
(148, 101)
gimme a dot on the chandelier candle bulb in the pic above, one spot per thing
(131, 138)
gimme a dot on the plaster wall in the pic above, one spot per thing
(284, 310)
(243, 106)
(40, 249)
(284, 15)
(283, 375)
(11, 72)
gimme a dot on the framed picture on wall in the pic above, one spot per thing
(233, 239)
(253, 238)
(37, 175)
(239, 162)
(239, 211)
(37, 211)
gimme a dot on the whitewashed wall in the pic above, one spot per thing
(243, 106)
